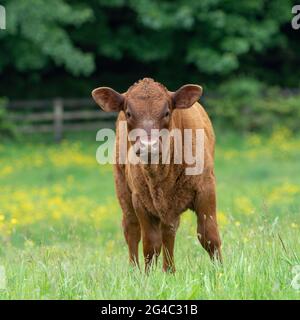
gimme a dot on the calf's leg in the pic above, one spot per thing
(207, 227)
(132, 233)
(152, 243)
(151, 233)
(168, 240)
(131, 226)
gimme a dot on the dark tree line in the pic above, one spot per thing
(62, 47)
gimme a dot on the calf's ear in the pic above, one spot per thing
(186, 96)
(108, 99)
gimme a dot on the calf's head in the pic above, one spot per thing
(147, 105)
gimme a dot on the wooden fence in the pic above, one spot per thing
(58, 116)
(62, 115)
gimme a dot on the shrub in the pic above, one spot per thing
(248, 105)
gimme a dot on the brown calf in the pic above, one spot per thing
(153, 196)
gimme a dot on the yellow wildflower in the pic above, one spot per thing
(222, 219)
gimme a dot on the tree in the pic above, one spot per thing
(211, 41)
(37, 31)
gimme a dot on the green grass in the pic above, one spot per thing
(61, 236)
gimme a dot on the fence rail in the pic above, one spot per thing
(64, 114)
(58, 116)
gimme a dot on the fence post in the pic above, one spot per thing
(58, 112)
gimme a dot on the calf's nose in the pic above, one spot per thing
(149, 145)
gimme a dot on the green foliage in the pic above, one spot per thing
(246, 104)
(37, 31)
(215, 37)
(224, 46)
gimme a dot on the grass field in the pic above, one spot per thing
(61, 236)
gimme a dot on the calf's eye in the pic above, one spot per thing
(167, 114)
